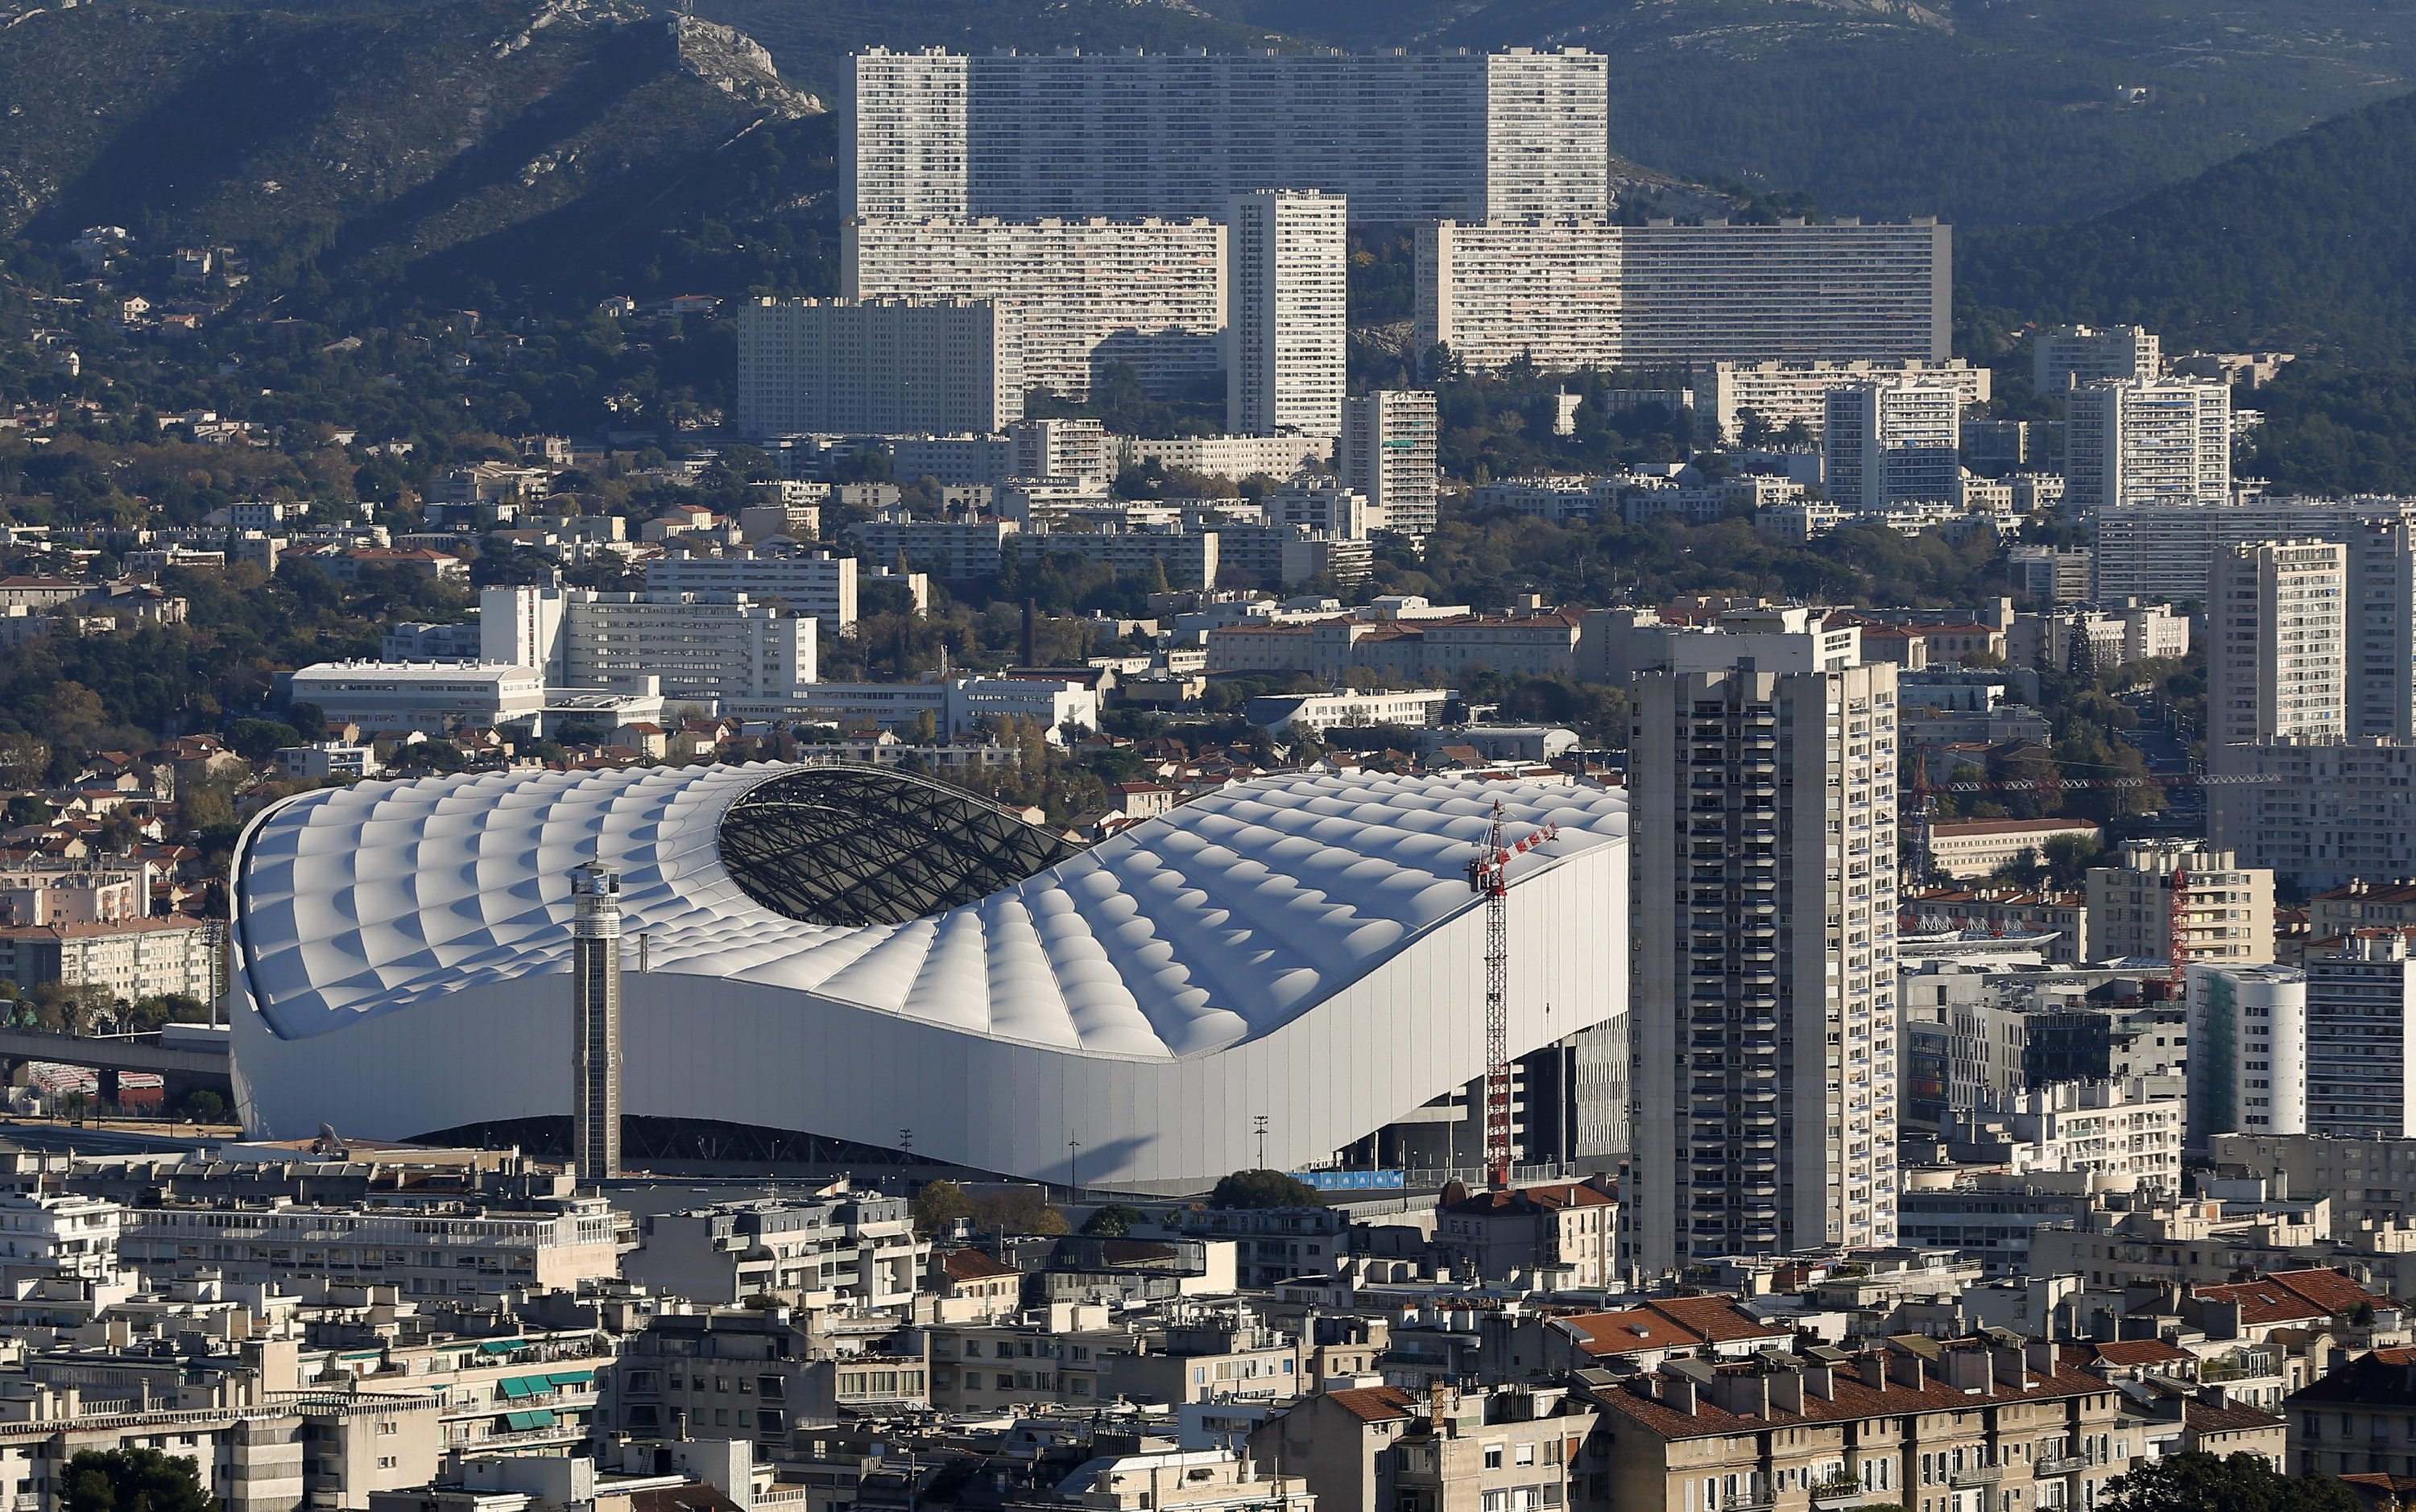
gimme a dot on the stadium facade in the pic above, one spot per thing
(870, 957)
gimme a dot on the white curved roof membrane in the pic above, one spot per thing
(1180, 936)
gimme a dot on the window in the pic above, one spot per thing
(1525, 1454)
(1493, 1457)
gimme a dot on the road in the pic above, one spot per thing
(91, 1139)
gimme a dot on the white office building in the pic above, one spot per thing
(1388, 454)
(1320, 504)
(877, 366)
(1148, 293)
(2277, 642)
(1892, 444)
(1763, 802)
(2147, 441)
(717, 646)
(1580, 294)
(429, 696)
(1405, 135)
(2248, 1051)
(1287, 272)
(2362, 1039)
(813, 584)
(1235, 458)
(1785, 394)
(2074, 356)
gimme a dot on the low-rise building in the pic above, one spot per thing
(1973, 848)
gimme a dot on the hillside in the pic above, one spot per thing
(2308, 245)
(1988, 113)
(472, 143)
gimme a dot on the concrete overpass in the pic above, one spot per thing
(181, 1068)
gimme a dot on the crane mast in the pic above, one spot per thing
(1489, 875)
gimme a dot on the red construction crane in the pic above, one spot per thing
(1489, 873)
(2177, 980)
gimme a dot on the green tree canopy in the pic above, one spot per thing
(2232, 1483)
(1114, 1221)
(134, 1480)
(938, 1204)
(1262, 1189)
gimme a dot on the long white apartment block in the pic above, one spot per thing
(1578, 294)
(1287, 279)
(1225, 456)
(2164, 550)
(2325, 813)
(2277, 644)
(1388, 454)
(878, 367)
(1405, 135)
(1084, 292)
(716, 646)
(1892, 442)
(2147, 441)
(1782, 393)
(1763, 869)
(815, 584)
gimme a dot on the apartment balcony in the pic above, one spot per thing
(1980, 1477)
(2061, 1462)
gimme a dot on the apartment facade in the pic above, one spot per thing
(423, 1253)
(1580, 293)
(2147, 441)
(813, 584)
(2074, 356)
(1764, 1025)
(1785, 394)
(700, 645)
(2326, 814)
(1149, 292)
(878, 367)
(1388, 454)
(1892, 444)
(1286, 274)
(2361, 1038)
(1405, 135)
(2276, 644)
(133, 958)
(2248, 1042)
(2227, 919)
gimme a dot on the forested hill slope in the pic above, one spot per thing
(2308, 245)
(494, 142)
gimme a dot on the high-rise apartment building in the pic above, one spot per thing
(1783, 394)
(1388, 454)
(2074, 356)
(1762, 805)
(596, 1022)
(2248, 1051)
(703, 645)
(2361, 1033)
(877, 366)
(2382, 614)
(1404, 136)
(812, 583)
(2147, 441)
(1580, 293)
(1148, 293)
(2277, 642)
(1892, 443)
(1286, 274)
(2228, 918)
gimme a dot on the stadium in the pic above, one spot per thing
(826, 961)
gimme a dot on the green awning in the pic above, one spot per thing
(518, 1387)
(502, 1346)
(534, 1418)
(572, 1378)
(362, 1354)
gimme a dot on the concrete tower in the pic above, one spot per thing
(596, 1022)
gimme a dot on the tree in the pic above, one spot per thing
(1262, 1189)
(938, 1204)
(2233, 1483)
(135, 1480)
(1114, 1221)
(1018, 1210)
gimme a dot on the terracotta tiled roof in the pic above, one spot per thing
(2135, 1352)
(1620, 1333)
(1374, 1404)
(2334, 1291)
(973, 1266)
(1850, 1400)
(1718, 1319)
(2263, 1302)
